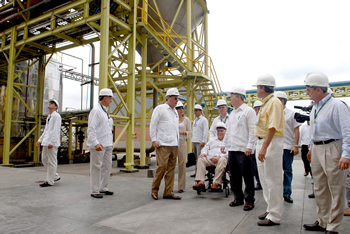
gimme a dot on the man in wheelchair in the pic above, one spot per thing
(212, 156)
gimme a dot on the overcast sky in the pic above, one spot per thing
(286, 39)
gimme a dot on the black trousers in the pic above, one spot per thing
(255, 169)
(241, 166)
(304, 151)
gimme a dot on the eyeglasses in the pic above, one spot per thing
(197, 110)
(53, 103)
(174, 97)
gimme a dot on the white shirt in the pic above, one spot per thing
(52, 131)
(212, 131)
(200, 130)
(332, 122)
(99, 127)
(305, 134)
(291, 124)
(164, 126)
(240, 129)
(212, 149)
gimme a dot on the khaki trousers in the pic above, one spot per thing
(271, 177)
(204, 162)
(181, 163)
(329, 184)
(166, 162)
(49, 160)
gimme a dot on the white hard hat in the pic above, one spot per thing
(106, 92)
(280, 94)
(55, 101)
(257, 103)
(197, 106)
(221, 102)
(179, 104)
(329, 90)
(266, 80)
(172, 92)
(221, 125)
(316, 79)
(238, 90)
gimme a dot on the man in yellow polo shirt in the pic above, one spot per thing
(269, 150)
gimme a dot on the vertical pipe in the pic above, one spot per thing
(206, 42)
(130, 133)
(70, 141)
(9, 99)
(189, 110)
(92, 75)
(104, 44)
(143, 101)
(188, 32)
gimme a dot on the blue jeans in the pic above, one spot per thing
(288, 172)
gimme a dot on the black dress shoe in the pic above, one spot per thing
(107, 192)
(263, 216)
(57, 179)
(267, 222)
(331, 232)
(97, 195)
(194, 175)
(258, 187)
(46, 184)
(314, 227)
(236, 203)
(288, 199)
(312, 195)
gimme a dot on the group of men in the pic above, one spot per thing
(271, 131)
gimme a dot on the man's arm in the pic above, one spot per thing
(205, 132)
(296, 141)
(269, 136)
(251, 118)
(153, 127)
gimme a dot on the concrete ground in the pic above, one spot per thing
(68, 208)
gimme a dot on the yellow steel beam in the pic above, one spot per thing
(104, 44)
(23, 139)
(123, 4)
(143, 101)
(68, 38)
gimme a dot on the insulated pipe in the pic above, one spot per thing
(92, 75)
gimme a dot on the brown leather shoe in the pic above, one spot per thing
(155, 196)
(347, 212)
(248, 207)
(199, 185)
(263, 216)
(267, 222)
(236, 203)
(214, 186)
(172, 196)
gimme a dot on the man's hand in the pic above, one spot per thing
(216, 159)
(262, 154)
(98, 147)
(38, 143)
(49, 146)
(309, 155)
(248, 151)
(156, 144)
(183, 133)
(202, 156)
(202, 144)
(222, 149)
(344, 163)
(295, 150)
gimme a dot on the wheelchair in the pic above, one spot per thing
(223, 187)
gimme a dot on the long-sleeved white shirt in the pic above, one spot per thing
(332, 122)
(52, 131)
(291, 124)
(212, 130)
(240, 129)
(164, 126)
(212, 149)
(200, 130)
(99, 127)
(305, 134)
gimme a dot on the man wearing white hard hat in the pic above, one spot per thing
(51, 140)
(100, 142)
(257, 105)
(239, 142)
(211, 155)
(329, 153)
(269, 130)
(164, 132)
(199, 132)
(290, 145)
(222, 108)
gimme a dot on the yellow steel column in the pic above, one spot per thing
(39, 105)
(189, 33)
(70, 139)
(104, 44)
(130, 132)
(206, 43)
(9, 98)
(143, 102)
(189, 111)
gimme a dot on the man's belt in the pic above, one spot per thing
(324, 142)
(260, 138)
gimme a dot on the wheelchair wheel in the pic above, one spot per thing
(227, 191)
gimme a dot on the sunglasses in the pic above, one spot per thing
(52, 103)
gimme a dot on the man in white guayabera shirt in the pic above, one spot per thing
(222, 108)
(329, 153)
(100, 142)
(51, 140)
(164, 132)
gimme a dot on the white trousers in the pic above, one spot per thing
(49, 159)
(100, 169)
(271, 177)
(329, 184)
